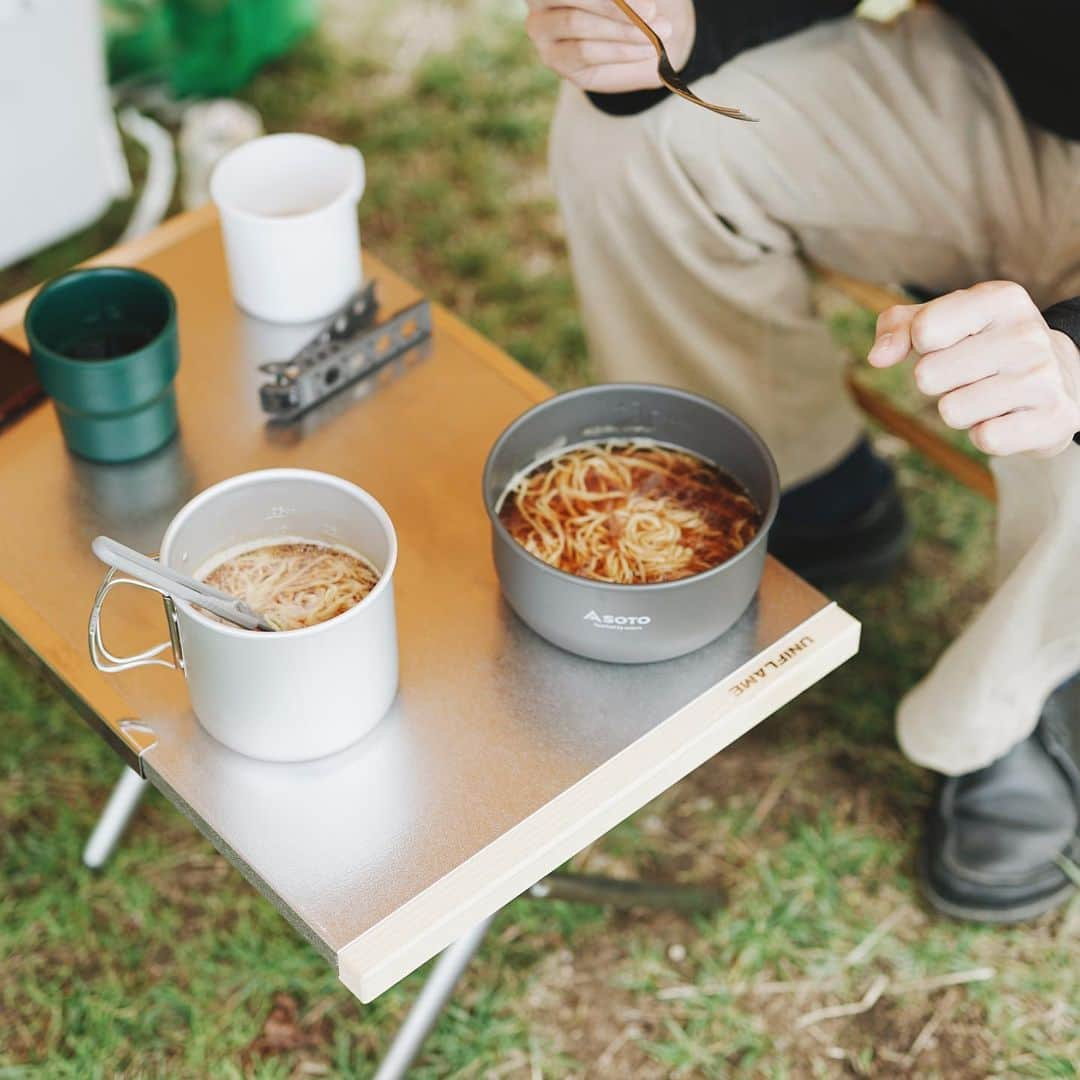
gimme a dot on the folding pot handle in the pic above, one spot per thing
(106, 661)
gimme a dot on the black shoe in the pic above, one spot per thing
(995, 838)
(867, 547)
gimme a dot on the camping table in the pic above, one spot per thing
(502, 757)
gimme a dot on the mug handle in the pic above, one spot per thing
(104, 660)
(359, 174)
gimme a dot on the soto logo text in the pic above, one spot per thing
(618, 622)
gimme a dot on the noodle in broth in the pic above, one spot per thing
(630, 513)
(296, 583)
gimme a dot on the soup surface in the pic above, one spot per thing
(631, 513)
(294, 583)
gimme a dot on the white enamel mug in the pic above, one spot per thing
(288, 216)
(292, 695)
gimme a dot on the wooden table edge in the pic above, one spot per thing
(451, 906)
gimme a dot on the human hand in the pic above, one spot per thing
(998, 371)
(592, 44)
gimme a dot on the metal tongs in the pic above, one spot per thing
(668, 76)
(179, 586)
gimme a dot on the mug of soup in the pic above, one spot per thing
(313, 553)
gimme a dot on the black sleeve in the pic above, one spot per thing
(726, 28)
(1033, 45)
(1066, 318)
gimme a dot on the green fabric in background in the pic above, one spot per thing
(201, 47)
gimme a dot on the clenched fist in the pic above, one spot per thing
(998, 371)
(595, 46)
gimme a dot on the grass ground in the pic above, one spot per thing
(168, 964)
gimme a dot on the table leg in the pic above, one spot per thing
(579, 888)
(428, 1007)
(114, 819)
(612, 892)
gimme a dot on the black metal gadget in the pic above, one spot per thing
(353, 346)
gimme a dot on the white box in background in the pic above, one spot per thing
(61, 163)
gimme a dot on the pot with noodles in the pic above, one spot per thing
(630, 521)
(313, 555)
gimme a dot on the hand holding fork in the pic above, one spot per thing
(615, 46)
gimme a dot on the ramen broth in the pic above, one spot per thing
(630, 513)
(293, 583)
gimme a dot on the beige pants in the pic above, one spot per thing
(892, 153)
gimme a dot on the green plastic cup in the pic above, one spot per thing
(104, 345)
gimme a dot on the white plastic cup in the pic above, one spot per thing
(288, 216)
(294, 695)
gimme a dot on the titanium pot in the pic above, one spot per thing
(631, 624)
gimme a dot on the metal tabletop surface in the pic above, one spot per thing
(502, 756)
